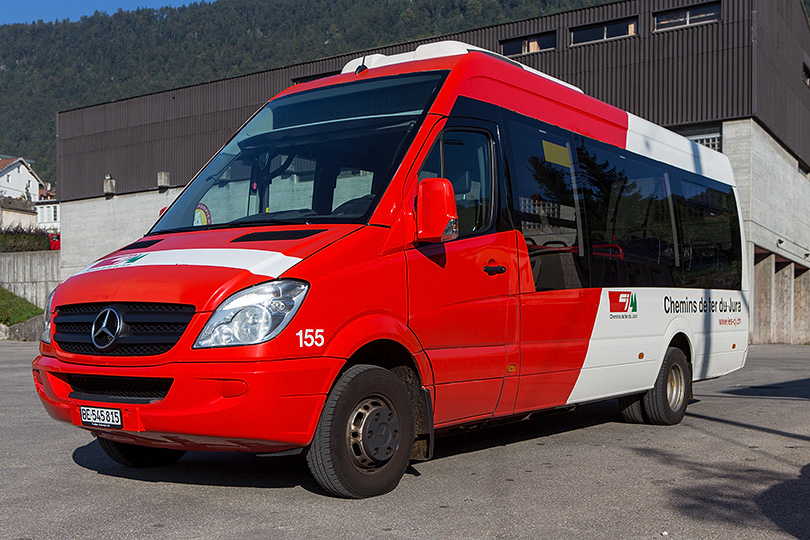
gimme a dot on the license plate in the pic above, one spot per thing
(96, 416)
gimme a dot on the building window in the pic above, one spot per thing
(546, 41)
(709, 140)
(806, 74)
(677, 18)
(604, 31)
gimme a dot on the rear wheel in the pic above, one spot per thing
(665, 403)
(363, 441)
(140, 457)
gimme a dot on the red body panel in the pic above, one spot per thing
(278, 409)
(461, 316)
(555, 330)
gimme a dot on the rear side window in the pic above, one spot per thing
(465, 158)
(630, 222)
(712, 252)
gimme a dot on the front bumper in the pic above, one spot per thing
(254, 406)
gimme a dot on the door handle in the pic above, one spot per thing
(494, 270)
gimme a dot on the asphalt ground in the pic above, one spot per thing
(737, 467)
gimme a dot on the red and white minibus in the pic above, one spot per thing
(427, 240)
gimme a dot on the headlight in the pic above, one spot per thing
(254, 315)
(46, 333)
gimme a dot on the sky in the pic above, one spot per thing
(28, 11)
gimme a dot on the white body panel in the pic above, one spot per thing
(714, 322)
(260, 263)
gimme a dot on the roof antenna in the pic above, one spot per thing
(362, 67)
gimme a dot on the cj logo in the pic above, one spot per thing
(106, 329)
(622, 302)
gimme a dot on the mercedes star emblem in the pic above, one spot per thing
(106, 329)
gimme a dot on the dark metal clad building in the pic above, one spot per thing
(733, 75)
(732, 65)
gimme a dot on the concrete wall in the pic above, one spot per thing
(31, 274)
(775, 201)
(774, 193)
(92, 228)
(11, 217)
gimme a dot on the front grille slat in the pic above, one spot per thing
(148, 329)
(78, 318)
(73, 337)
(136, 317)
(152, 338)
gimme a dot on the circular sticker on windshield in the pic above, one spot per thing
(202, 215)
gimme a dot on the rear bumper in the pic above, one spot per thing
(257, 406)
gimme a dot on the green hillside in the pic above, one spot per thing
(51, 67)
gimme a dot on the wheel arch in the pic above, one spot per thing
(677, 335)
(413, 370)
(681, 341)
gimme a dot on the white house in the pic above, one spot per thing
(21, 191)
(18, 180)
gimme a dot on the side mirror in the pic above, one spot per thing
(436, 215)
(162, 210)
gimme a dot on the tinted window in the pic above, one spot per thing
(629, 218)
(593, 215)
(548, 208)
(586, 35)
(529, 44)
(512, 47)
(712, 253)
(599, 32)
(688, 16)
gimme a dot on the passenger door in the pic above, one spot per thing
(459, 291)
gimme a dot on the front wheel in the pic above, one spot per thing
(363, 441)
(132, 455)
(665, 403)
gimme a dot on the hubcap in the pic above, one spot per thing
(373, 434)
(676, 387)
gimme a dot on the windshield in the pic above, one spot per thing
(322, 156)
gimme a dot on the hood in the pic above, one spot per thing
(199, 268)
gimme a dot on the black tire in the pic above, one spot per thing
(363, 441)
(665, 404)
(631, 408)
(139, 457)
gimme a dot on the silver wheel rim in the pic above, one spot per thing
(676, 387)
(372, 433)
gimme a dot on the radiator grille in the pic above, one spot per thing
(147, 329)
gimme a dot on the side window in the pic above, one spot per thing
(630, 223)
(548, 205)
(465, 158)
(712, 253)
